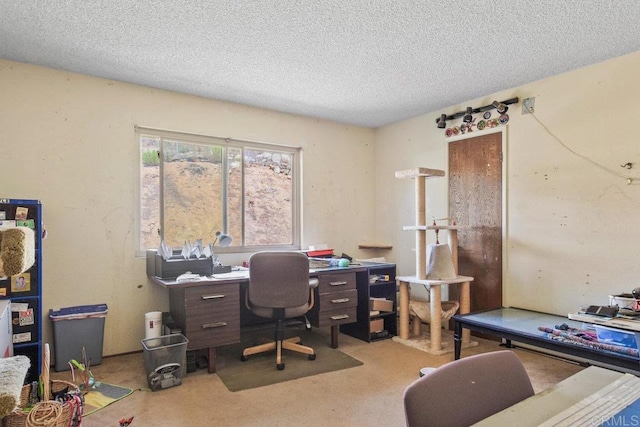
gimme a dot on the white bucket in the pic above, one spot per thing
(153, 326)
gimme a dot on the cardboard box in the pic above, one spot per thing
(381, 304)
(6, 337)
(376, 325)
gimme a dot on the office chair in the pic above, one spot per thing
(467, 390)
(279, 289)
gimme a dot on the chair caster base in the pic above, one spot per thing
(280, 366)
(243, 358)
(312, 356)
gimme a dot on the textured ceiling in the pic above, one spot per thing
(361, 62)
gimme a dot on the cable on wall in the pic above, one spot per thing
(630, 180)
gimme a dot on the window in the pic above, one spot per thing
(193, 186)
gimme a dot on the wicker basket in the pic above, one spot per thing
(49, 412)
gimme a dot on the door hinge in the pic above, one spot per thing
(501, 157)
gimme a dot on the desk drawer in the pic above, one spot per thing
(338, 300)
(336, 282)
(213, 315)
(337, 317)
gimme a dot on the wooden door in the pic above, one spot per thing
(475, 200)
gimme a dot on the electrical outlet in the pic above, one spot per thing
(527, 105)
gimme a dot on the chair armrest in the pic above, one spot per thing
(313, 283)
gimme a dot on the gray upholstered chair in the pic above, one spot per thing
(467, 390)
(279, 289)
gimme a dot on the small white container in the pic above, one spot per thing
(153, 325)
(625, 302)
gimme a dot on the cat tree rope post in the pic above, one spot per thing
(421, 220)
(420, 176)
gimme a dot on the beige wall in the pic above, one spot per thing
(68, 140)
(571, 228)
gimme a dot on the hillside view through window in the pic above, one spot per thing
(191, 188)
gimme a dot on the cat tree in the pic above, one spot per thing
(420, 175)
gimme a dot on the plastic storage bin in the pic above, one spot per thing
(75, 328)
(619, 337)
(165, 360)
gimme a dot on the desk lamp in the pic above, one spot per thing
(224, 240)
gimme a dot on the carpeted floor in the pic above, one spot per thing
(260, 369)
(370, 394)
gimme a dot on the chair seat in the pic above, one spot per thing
(289, 312)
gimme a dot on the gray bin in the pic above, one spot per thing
(75, 328)
(165, 360)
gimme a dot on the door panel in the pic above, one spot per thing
(475, 200)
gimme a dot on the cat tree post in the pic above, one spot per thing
(420, 175)
(421, 220)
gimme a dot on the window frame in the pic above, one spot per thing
(227, 142)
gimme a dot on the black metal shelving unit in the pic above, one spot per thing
(26, 299)
(368, 287)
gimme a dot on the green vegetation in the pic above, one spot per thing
(179, 151)
(150, 158)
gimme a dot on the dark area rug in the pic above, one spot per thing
(260, 369)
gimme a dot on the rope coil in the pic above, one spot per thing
(44, 414)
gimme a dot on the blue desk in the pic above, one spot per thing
(514, 324)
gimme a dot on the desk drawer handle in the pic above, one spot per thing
(214, 325)
(339, 300)
(340, 283)
(206, 297)
(340, 317)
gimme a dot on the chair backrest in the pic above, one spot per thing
(467, 390)
(279, 279)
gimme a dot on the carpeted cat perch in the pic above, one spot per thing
(13, 371)
(17, 250)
